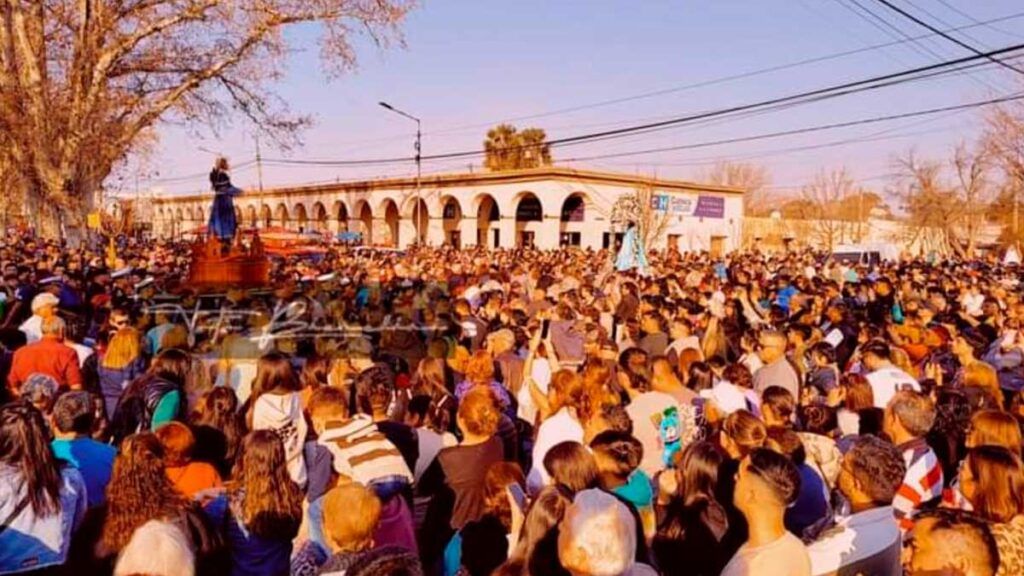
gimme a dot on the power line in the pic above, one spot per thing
(968, 16)
(807, 129)
(919, 46)
(819, 94)
(952, 39)
(703, 83)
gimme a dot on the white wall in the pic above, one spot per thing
(693, 233)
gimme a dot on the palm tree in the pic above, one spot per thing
(535, 149)
(500, 147)
(509, 149)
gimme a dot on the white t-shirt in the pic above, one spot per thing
(541, 374)
(641, 410)
(33, 329)
(887, 381)
(430, 444)
(560, 427)
(786, 556)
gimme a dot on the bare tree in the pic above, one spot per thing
(81, 81)
(823, 198)
(751, 178)
(1004, 140)
(929, 202)
(639, 207)
(973, 188)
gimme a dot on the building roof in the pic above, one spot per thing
(477, 179)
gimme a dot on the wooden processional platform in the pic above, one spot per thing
(239, 267)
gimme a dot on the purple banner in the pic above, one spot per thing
(710, 207)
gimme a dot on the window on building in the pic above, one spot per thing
(574, 209)
(526, 239)
(569, 239)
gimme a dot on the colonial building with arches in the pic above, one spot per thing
(545, 207)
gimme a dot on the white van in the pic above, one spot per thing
(869, 254)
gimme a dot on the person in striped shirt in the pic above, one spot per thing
(908, 417)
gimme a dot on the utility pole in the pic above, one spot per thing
(259, 182)
(259, 165)
(419, 147)
(860, 215)
(1016, 212)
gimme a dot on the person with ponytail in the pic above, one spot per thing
(42, 501)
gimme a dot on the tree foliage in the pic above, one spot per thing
(83, 82)
(507, 148)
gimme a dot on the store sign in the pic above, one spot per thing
(701, 206)
(710, 207)
(659, 202)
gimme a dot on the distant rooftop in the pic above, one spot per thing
(479, 178)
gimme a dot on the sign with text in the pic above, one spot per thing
(702, 206)
(710, 207)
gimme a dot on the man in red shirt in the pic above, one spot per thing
(48, 356)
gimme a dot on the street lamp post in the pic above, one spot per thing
(419, 147)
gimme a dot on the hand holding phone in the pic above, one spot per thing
(518, 497)
(545, 328)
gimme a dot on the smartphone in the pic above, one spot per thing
(518, 496)
(545, 327)
(615, 332)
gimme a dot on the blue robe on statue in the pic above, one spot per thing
(632, 254)
(223, 223)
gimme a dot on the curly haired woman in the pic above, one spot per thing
(139, 493)
(264, 508)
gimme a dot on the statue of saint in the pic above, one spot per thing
(633, 254)
(223, 223)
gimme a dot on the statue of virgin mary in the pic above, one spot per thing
(632, 255)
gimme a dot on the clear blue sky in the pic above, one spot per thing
(470, 64)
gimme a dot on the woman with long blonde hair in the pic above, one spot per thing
(264, 507)
(122, 362)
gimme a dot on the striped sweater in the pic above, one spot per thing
(921, 484)
(362, 452)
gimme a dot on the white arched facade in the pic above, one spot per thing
(547, 208)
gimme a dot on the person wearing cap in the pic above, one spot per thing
(49, 356)
(44, 306)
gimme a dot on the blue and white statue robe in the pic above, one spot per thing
(632, 254)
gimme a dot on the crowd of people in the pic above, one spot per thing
(470, 412)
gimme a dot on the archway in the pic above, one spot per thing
(418, 215)
(365, 222)
(529, 215)
(250, 216)
(572, 219)
(340, 212)
(190, 217)
(319, 217)
(451, 221)
(281, 215)
(301, 217)
(488, 214)
(391, 216)
(266, 217)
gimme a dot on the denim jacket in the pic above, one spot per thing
(31, 542)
